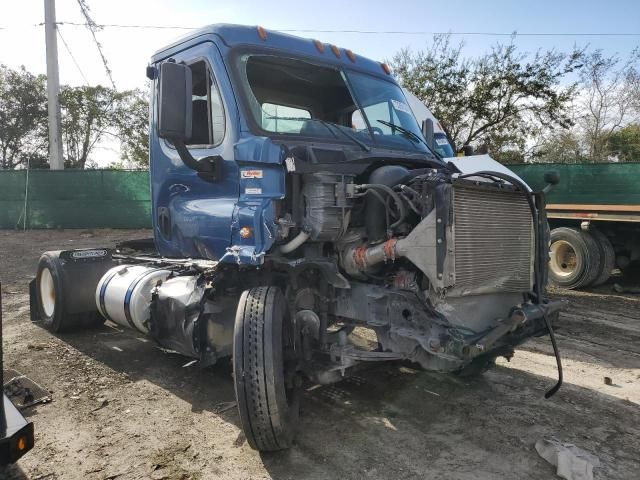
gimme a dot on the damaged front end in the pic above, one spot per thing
(460, 287)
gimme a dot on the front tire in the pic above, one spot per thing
(268, 406)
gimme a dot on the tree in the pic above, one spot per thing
(624, 144)
(610, 99)
(133, 128)
(23, 119)
(561, 146)
(88, 115)
(493, 100)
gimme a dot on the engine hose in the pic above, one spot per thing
(295, 243)
(397, 200)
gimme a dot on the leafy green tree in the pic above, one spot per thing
(132, 124)
(493, 100)
(624, 144)
(562, 146)
(23, 119)
(89, 115)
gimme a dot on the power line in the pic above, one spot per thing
(360, 32)
(115, 25)
(72, 57)
(389, 32)
(93, 27)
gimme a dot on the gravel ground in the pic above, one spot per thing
(124, 409)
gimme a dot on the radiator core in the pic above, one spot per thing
(493, 238)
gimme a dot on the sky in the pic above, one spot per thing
(127, 50)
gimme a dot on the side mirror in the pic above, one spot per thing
(175, 117)
(551, 178)
(174, 102)
(468, 150)
(427, 132)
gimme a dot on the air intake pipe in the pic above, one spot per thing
(375, 218)
(419, 247)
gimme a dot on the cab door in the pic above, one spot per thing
(192, 216)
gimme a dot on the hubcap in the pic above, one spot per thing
(47, 292)
(564, 260)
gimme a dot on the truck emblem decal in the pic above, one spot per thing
(89, 254)
(250, 173)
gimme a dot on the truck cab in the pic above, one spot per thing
(252, 101)
(296, 203)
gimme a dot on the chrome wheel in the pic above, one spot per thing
(47, 292)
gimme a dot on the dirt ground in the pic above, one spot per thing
(123, 409)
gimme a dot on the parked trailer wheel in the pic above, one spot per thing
(64, 291)
(607, 257)
(268, 406)
(594, 256)
(575, 258)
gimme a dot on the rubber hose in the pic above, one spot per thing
(295, 243)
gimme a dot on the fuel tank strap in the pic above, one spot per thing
(103, 289)
(127, 297)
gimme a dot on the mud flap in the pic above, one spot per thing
(34, 313)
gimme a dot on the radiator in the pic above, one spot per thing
(494, 242)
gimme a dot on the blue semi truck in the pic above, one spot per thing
(280, 228)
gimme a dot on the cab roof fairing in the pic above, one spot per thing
(240, 35)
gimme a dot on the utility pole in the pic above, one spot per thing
(56, 161)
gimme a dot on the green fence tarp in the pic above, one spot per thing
(121, 199)
(74, 199)
(587, 183)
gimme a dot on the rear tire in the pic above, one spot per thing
(594, 259)
(268, 407)
(49, 291)
(607, 257)
(575, 258)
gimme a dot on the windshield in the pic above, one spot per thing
(298, 98)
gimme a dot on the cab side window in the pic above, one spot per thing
(208, 124)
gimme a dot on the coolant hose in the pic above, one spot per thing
(295, 243)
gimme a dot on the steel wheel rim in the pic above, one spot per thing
(564, 260)
(47, 292)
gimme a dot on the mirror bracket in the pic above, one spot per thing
(209, 168)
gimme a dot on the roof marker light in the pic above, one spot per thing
(350, 54)
(335, 51)
(386, 68)
(262, 33)
(319, 45)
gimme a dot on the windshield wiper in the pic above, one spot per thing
(362, 145)
(406, 131)
(409, 134)
(332, 127)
